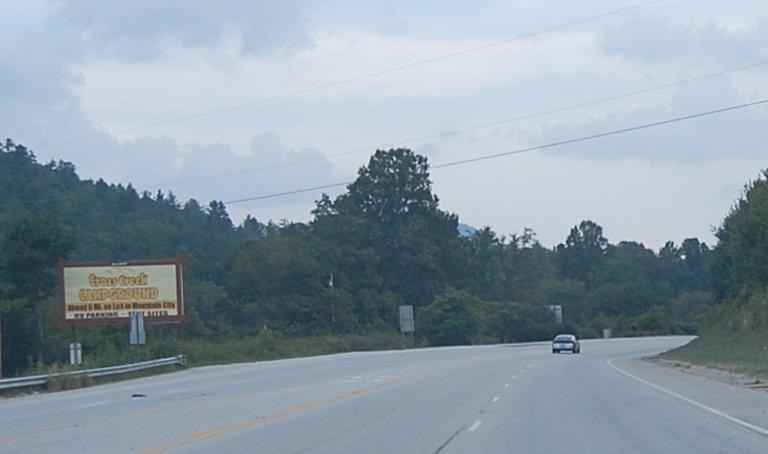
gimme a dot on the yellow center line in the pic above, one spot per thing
(250, 423)
(74, 425)
(137, 414)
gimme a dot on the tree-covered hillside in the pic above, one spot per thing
(734, 336)
(384, 242)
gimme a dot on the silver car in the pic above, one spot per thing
(566, 342)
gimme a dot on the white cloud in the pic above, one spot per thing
(655, 39)
(722, 136)
(138, 30)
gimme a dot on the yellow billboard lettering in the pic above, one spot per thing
(141, 280)
(99, 281)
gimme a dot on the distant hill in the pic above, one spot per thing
(466, 230)
(113, 222)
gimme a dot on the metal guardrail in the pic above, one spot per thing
(23, 382)
(42, 380)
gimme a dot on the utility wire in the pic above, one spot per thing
(358, 78)
(281, 194)
(534, 148)
(477, 127)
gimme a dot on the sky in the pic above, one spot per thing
(220, 100)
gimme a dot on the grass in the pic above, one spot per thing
(744, 352)
(267, 346)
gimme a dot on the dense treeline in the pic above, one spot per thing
(382, 243)
(733, 337)
(740, 264)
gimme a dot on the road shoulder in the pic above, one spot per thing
(716, 396)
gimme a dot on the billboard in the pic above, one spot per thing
(94, 293)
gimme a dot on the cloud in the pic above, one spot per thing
(632, 198)
(656, 40)
(736, 134)
(139, 30)
(36, 81)
(215, 171)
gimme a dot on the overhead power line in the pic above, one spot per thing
(357, 78)
(533, 148)
(478, 126)
(281, 194)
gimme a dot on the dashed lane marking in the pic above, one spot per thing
(474, 426)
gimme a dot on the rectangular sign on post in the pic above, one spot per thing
(95, 293)
(557, 310)
(75, 353)
(406, 319)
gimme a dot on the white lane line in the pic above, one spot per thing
(495, 399)
(506, 385)
(714, 411)
(475, 425)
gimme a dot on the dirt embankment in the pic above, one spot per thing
(721, 374)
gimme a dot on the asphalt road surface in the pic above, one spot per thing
(489, 399)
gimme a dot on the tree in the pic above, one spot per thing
(252, 228)
(741, 257)
(581, 255)
(278, 283)
(391, 211)
(697, 258)
(218, 216)
(484, 273)
(31, 247)
(393, 185)
(451, 319)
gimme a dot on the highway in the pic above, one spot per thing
(484, 399)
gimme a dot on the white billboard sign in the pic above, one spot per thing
(97, 293)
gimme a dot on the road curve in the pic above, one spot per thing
(485, 399)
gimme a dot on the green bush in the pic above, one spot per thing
(451, 319)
